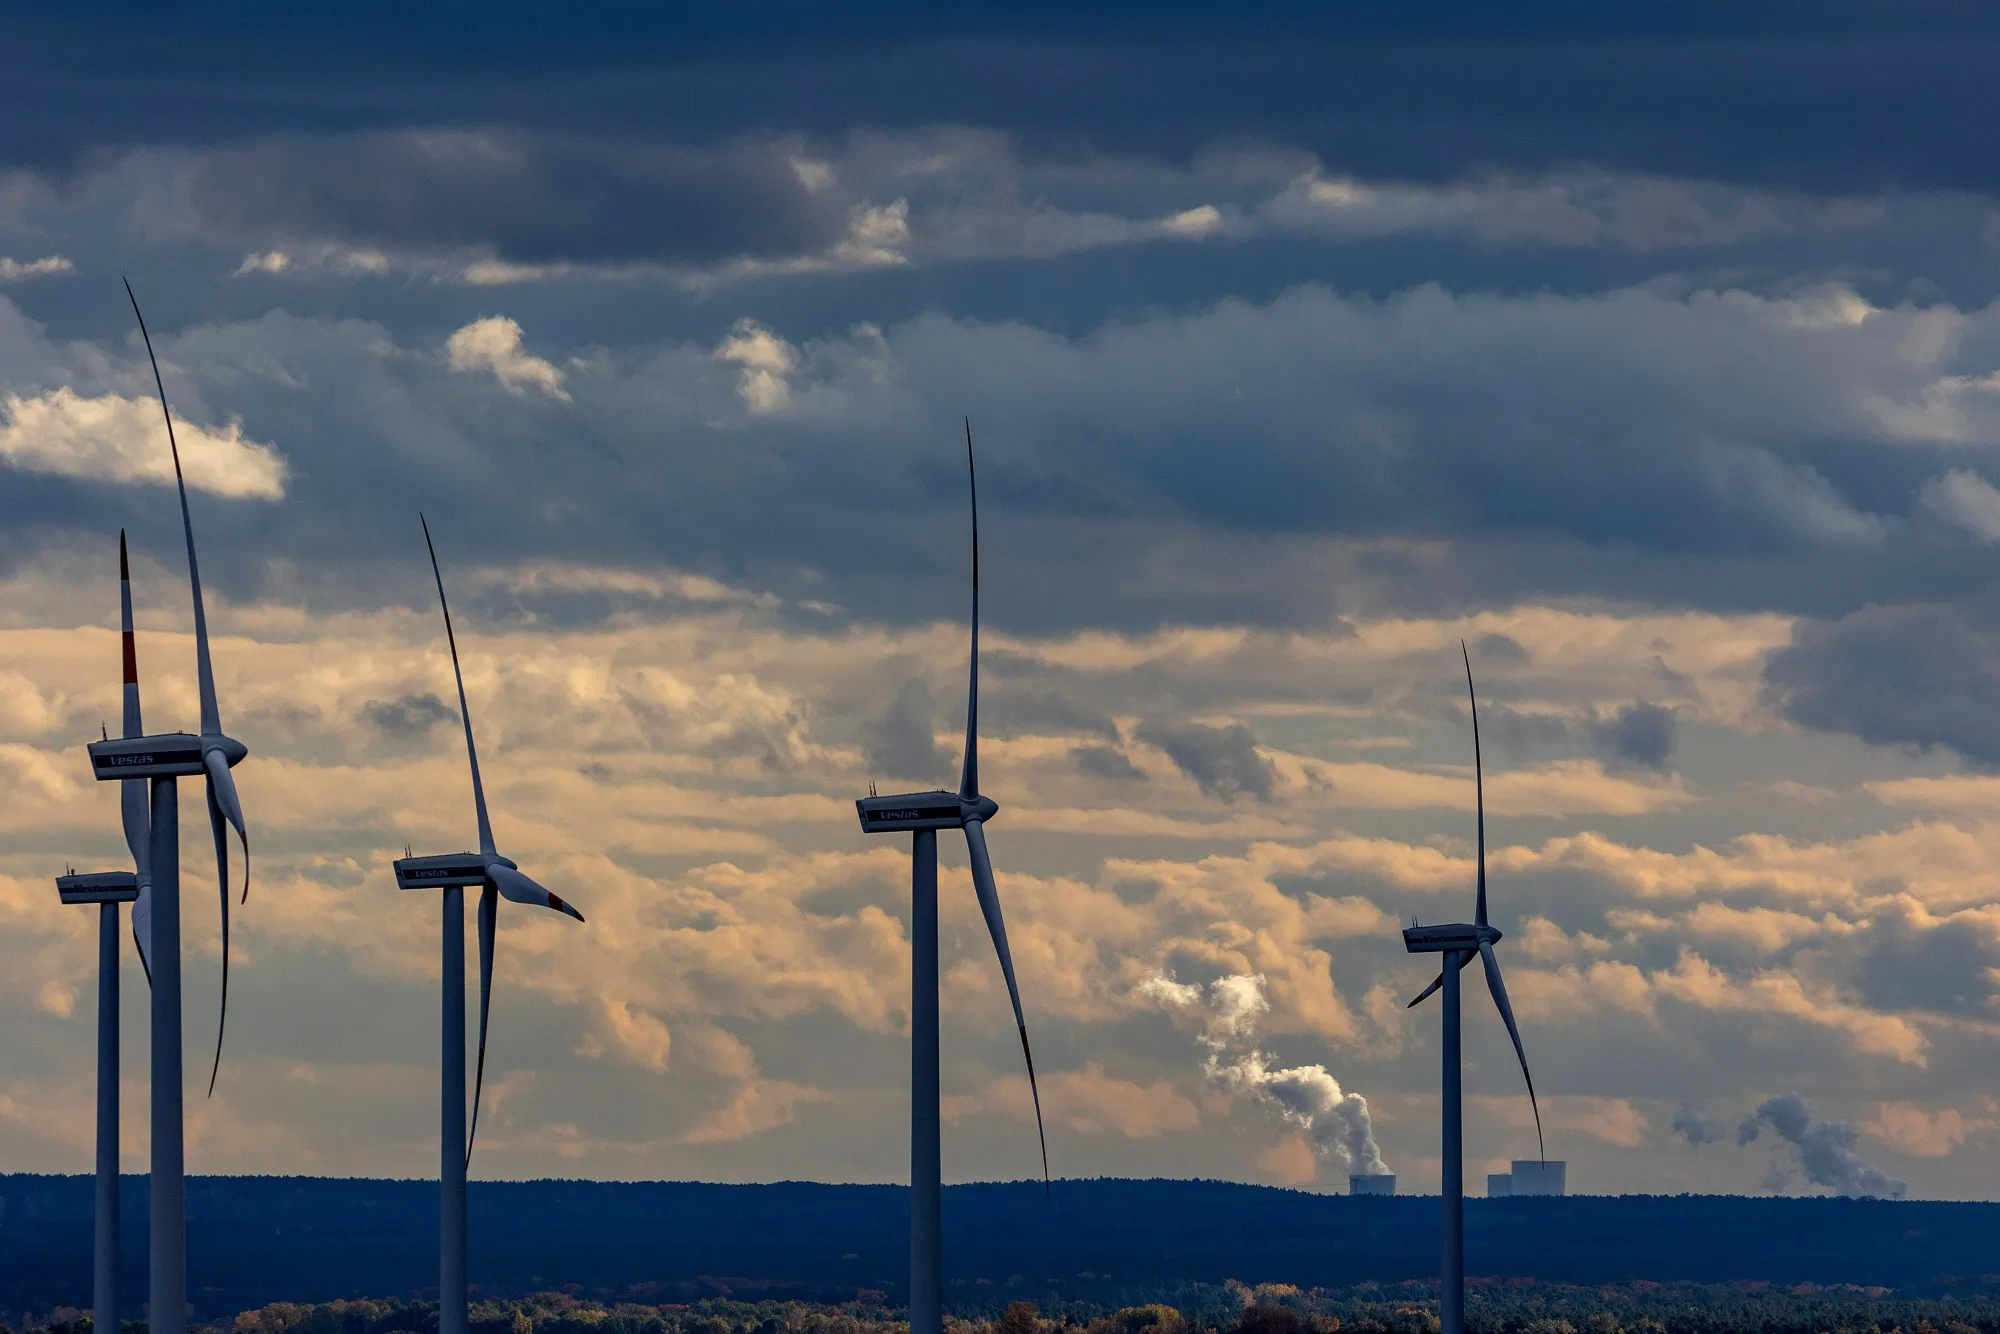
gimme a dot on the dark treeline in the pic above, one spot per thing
(1494, 1307)
(1088, 1246)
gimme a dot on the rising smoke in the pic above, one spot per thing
(1697, 1127)
(1823, 1150)
(1335, 1122)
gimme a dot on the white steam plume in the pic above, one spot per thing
(1824, 1150)
(1335, 1122)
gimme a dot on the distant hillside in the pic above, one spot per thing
(254, 1240)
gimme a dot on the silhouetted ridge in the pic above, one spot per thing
(255, 1240)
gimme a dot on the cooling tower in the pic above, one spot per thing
(1530, 1177)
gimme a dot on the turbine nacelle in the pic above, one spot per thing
(167, 755)
(463, 869)
(922, 810)
(477, 870)
(1460, 936)
(98, 887)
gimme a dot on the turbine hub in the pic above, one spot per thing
(232, 750)
(981, 808)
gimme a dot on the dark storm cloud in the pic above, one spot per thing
(1016, 712)
(1441, 415)
(1222, 761)
(409, 717)
(1104, 762)
(1516, 731)
(1945, 967)
(1821, 95)
(1638, 735)
(1269, 453)
(900, 742)
(1279, 463)
(1501, 649)
(849, 898)
(521, 197)
(1921, 674)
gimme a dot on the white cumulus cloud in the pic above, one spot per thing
(12, 269)
(1193, 223)
(767, 361)
(116, 439)
(494, 344)
(1966, 499)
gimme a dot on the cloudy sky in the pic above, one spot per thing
(1658, 360)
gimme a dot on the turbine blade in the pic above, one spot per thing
(221, 832)
(518, 888)
(222, 792)
(224, 811)
(968, 782)
(133, 727)
(1427, 992)
(1499, 990)
(136, 811)
(489, 907)
(989, 906)
(134, 800)
(1437, 982)
(471, 751)
(142, 928)
(211, 719)
(1478, 787)
(1035, 1092)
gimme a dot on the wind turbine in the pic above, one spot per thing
(1459, 943)
(108, 889)
(498, 878)
(923, 814)
(163, 760)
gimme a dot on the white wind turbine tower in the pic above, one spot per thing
(1459, 943)
(923, 814)
(108, 889)
(162, 760)
(498, 878)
